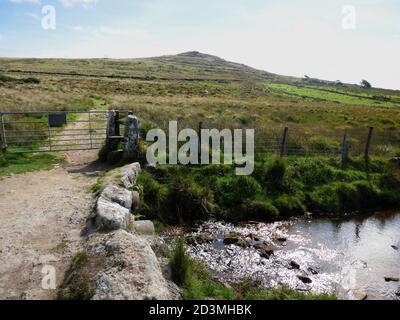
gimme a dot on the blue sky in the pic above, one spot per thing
(291, 37)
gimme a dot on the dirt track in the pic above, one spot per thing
(42, 215)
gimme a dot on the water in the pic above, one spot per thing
(337, 255)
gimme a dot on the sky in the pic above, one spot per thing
(345, 40)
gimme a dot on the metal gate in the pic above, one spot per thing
(60, 131)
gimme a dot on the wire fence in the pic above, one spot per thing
(299, 142)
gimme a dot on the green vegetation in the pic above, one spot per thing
(61, 246)
(197, 283)
(277, 189)
(331, 94)
(26, 162)
(79, 281)
(193, 87)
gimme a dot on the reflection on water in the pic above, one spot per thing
(336, 255)
(365, 255)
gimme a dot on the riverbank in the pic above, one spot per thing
(278, 189)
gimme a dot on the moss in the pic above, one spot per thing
(79, 280)
(98, 185)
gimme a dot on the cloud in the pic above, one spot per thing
(25, 1)
(32, 15)
(84, 3)
(122, 32)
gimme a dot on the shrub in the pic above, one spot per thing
(180, 263)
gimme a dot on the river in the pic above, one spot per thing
(349, 257)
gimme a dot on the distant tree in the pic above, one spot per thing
(365, 84)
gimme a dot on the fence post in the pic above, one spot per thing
(199, 135)
(131, 139)
(284, 140)
(368, 145)
(3, 142)
(345, 149)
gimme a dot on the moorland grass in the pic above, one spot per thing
(276, 190)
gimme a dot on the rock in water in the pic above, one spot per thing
(231, 240)
(131, 271)
(129, 174)
(392, 279)
(111, 215)
(118, 195)
(294, 265)
(304, 279)
(359, 295)
(395, 247)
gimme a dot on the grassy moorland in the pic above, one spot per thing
(193, 87)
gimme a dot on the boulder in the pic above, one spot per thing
(145, 228)
(395, 247)
(111, 215)
(131, 271)
(129, 174)
(294, 265)
(118, 195)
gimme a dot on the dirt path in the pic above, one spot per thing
(42, 215)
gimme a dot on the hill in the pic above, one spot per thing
(193, 86)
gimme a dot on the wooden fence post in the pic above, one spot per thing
(283, 143)
(3, 142)
(199, 135)
(345, 149)
(368, 145)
